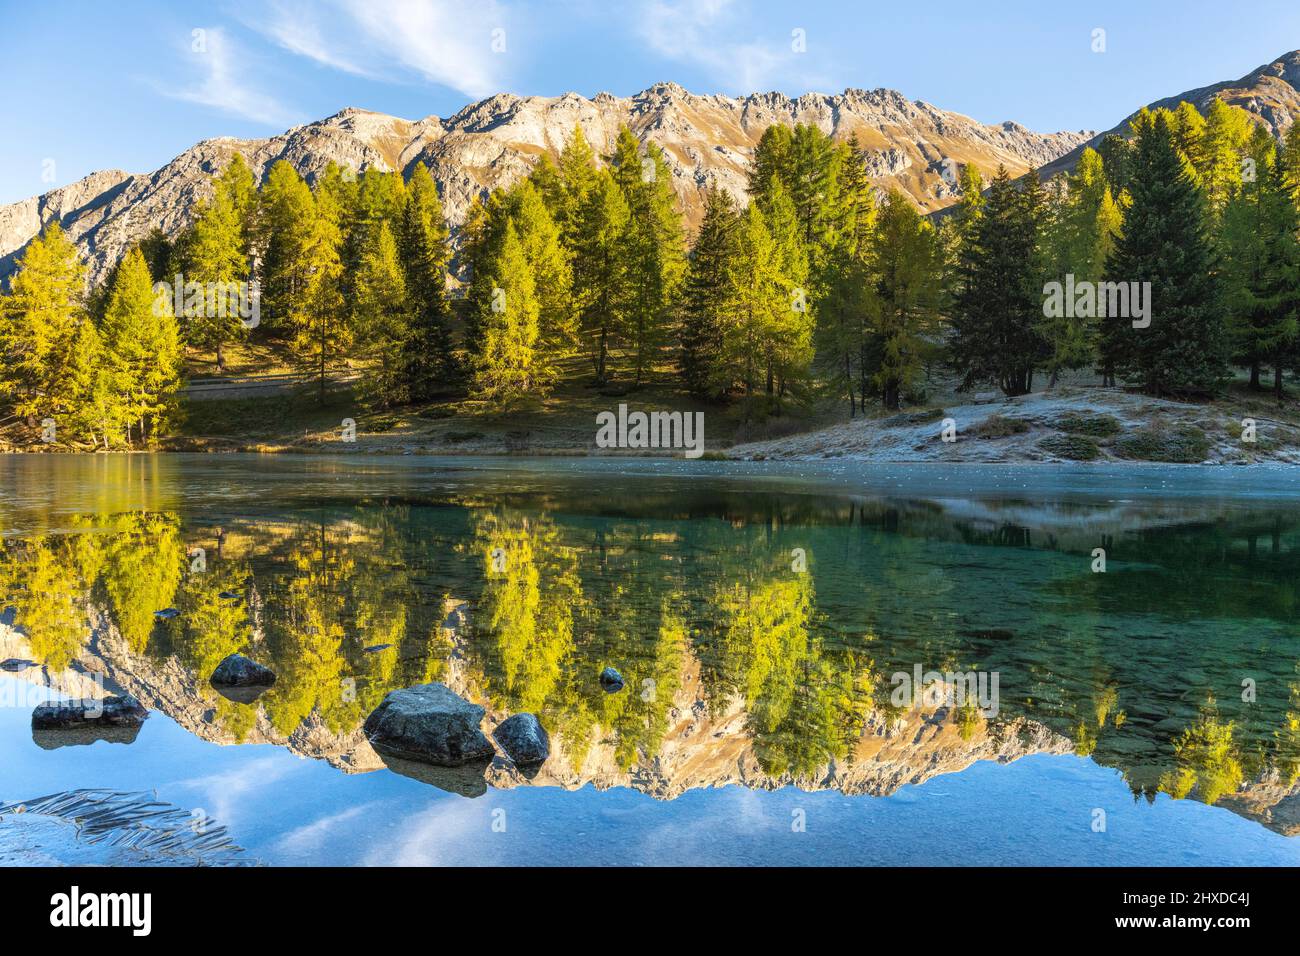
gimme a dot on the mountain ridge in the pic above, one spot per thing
(707, 138)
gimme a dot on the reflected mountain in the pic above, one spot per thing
(758, 631)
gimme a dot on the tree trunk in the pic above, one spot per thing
(1254, 375)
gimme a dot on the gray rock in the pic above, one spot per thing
(124, 711)
(238, 671)
(611, 680)
(429, 723)
(523, 739)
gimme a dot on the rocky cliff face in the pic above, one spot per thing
(708, 141)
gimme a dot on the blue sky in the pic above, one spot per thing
(130, 84)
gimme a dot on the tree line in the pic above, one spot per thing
(821, 285)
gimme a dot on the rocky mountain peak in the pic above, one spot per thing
(707, 141)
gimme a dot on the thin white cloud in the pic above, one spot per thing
(712, 35)
(443, 42)
(223, 83)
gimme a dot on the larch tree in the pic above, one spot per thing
(215, 266)
(321, 322)
(601, 283)
(381, 317)
(904, 272)
(1260, 246)
(287, 224)
(654, 246)
(142, 346)
(38, 327)
(506, 370)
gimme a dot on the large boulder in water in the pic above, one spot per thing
(238, 671)
(523, 739)
(429, 723)
(124, 711)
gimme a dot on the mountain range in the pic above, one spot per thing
(708, 140)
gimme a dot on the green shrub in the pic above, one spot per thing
(1097, 426)
(1073, 447)
(912, 418)
(1180, 444)
(999, 426)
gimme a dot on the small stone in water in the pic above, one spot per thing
(611, 680)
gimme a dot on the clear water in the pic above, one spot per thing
(758, 613)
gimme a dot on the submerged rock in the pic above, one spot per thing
(523, 739)
(239, 671)
(429, 723)
(611, 680)
(123, 711)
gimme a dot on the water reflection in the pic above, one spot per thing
(757, 631)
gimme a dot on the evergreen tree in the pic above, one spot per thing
(706, 296)
(427, 359)
(1116, 155)
(653, 245)
(999, 300)
(905, 282)
(1182, 351)
(38, 327)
